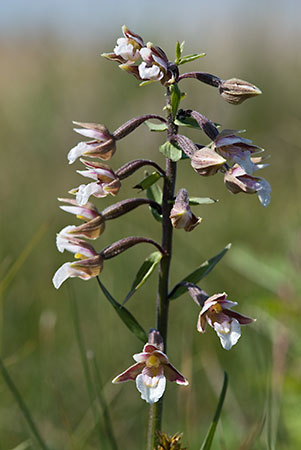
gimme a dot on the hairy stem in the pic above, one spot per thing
(155, 415)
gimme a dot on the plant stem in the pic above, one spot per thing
(155, 414)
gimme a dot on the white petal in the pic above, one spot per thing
(90, 133)
(126, 50)
(150, 394)
(77, 151)
(88, 173)
(85, 190)
(61, 275)
(228, 332)
(149, 73)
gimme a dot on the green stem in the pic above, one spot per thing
(155, 414)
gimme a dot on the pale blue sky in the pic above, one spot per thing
(88, 19)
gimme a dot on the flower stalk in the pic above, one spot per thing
(155, 413)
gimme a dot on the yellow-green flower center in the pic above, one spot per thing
(153, 361)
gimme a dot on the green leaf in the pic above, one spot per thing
(201, 201)
(175, 98)
(144, 273)
(171, 151)
(187, 122)
(182, 46)
(145, 83)
(178, 52)
(148, 181)
(190, 122)
(198, 274)
(210, 435)
(125, 315)
(156, 126)
(154, 192)
(192, 57)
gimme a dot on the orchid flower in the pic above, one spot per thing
(150, 372)
(106, 182)
(237, 180)
(102, 146)
(217, 313)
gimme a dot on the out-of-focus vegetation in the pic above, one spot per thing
(43, 87)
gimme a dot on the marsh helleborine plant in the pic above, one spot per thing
(227, 153)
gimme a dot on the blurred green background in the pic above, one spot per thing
(51, 73)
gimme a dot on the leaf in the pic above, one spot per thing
(144, 273)
(125, 315)
(190, 122)
(156, 126)
(182, 46)
(178, 52)
(171, 151)
(192, 57)
(187, 122)
(145, 83)
(175, 98)
(198, 274)
(154, 192)
(210, 435)
(201, 201)
(148, 181)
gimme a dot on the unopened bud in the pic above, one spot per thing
(181, 215)
(236, 91)
(206, 161)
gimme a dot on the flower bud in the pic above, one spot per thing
(181, 215)
(206, 161)
(236, 91)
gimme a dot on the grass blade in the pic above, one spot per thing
(83, 355)
(25, 411)
(103, 404)
(210, 435)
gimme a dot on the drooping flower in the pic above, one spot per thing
(237, 180)
(150, 372)
(217, 313)
(106, 182)
(102, 146)
(90, 230)
(236, 150)
(181, 215)
(84, 269)
(84, 212)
